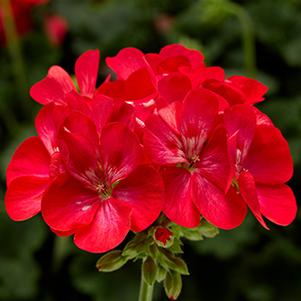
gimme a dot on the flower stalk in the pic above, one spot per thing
(15, 52)
(248, 38)
(146, 290)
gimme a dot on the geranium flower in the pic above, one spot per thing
(262, 164)
(34, 165)
(192, 152)
(57, 85)
(56, 28)
(107, 191)
(160, 79)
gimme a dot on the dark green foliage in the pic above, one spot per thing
(248, 263)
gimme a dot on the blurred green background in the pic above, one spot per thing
(248, 263)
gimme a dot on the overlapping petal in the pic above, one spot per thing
(53, 87)
(142, 190)
(23, 197)
(162, 143)
(30, 159)
(277, 203)
(213, 205)
(48, 123)
(79, 144)
(108, 228)
(269, 159)
(86, 72)
(179, 202)
(214, 160)
(199, 113)
(120, 151)
(126, 62)
(68, 205)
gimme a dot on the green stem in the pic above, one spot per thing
(59, 251)
(14, 49)
(248, 38)
(146, 290)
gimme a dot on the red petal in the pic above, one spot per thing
(142, 190)
(194, 57)
(30, 159)
(213, 72)
(199, 113)
(120, 151)
(174, 87)
(67, 205)
(139, 86)
(108, 229)
(269, 159)
(48, 122)
(252, 89)
(261, 118)
(101, 109)
(86, 71)
(178, 204)
(277, 203)
(23, 197)
(53, 87)
(126, 62)
(79, 145)
(232, 94)
(247, 189)
(161, 142)
(214, 160)
(221, 211)
(240, 121)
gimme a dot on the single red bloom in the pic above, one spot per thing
(192, 150)
(35, 163)
(58, 84)
(56, 28)
(107, 191)
(262, 164)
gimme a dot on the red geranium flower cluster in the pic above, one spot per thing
(169, 135)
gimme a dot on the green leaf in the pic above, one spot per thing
(208, 230)
(174, 263)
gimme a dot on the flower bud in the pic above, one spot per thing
(149, 270)
(163, 237)
(173, 285)
(111, 261)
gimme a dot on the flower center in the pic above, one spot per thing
(235, 185)
(190, 166)
(104, 191)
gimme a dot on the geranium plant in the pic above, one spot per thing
(169, 150)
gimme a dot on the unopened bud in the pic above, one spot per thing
(149, 270)
(111, 261)
(163, 237)
(173, 285)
